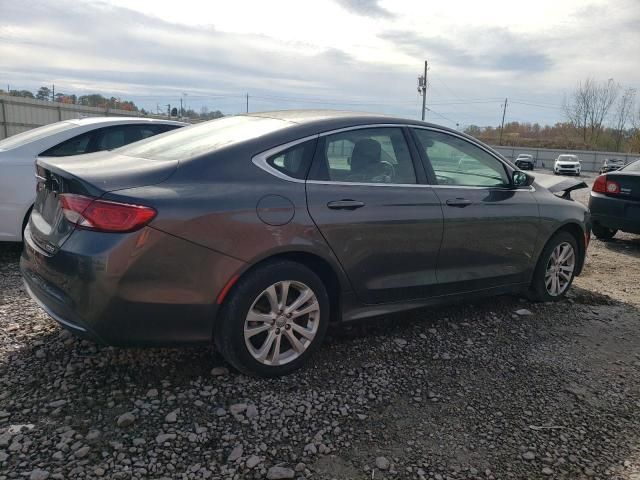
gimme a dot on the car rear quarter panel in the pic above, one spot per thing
(213, 202)
(142, 288)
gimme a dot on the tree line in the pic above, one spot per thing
(598, 115)
(100, 101)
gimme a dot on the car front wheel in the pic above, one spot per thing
(556, 268)
(273, 320)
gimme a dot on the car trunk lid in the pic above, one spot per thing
(629, 183)
(91, 176)
(559, 186)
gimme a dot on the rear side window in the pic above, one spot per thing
(110, 138)
(74, 146)
(294, 162)
(368, 155)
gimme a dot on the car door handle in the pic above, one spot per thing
(458, 202)
(345, 204)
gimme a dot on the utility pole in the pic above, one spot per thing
(53, 93)
(169, 110)
(504, 110)
(181, 111)
(422, 89)
(247, 102)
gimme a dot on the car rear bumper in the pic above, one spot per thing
(615, 213)
(145, 288)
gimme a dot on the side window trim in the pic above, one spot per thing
(431, 172)
(260, 160)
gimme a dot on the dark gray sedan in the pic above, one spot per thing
(256, 231)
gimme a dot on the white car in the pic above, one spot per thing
(18, 154)
(566, 163)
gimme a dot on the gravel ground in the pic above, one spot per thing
(497, 389)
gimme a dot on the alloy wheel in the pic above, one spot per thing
(282, 322)
(560, 269)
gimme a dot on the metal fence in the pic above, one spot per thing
(591, 161)
(18, 114)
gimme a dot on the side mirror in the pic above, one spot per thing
(521, 179)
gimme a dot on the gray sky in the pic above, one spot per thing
(347, 54)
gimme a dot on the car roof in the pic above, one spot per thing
(337, 118)
(119, 120)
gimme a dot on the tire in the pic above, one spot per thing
(25, 222)
(603, 233)
(539, 291)
(251, 296)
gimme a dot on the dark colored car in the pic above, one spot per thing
(255, 231)
(525, 161)
(615, 202)
(611, 165)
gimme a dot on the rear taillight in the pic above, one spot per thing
(104, 216)
(605, 185)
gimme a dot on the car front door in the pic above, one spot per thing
(372, 206)
(490, 227)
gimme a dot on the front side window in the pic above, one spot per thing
(456, 161)
(371, 155)
(74, 146)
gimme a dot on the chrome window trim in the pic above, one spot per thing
(368, 184)
(421, 185)
(260, 160)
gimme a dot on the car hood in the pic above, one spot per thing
(569, 162)
(558, 185)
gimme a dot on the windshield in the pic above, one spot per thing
(204, 138)
(570, 158)
(632, 167)
(614, 160)
(34, 134)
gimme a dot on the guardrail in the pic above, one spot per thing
(591, 160)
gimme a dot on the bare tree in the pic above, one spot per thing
(588, 106)
(623, 114)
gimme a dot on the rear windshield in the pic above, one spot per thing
(204, 138)
(34, 134)
(633, 167)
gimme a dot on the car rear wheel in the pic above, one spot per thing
(273, 320)
(603, 233)
(556, 268)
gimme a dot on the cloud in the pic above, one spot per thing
(367, 8)
(504, 51)
(326, 59)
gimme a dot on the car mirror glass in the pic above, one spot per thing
(521, 179)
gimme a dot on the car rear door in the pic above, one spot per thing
(490, 229)
(381, 220)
